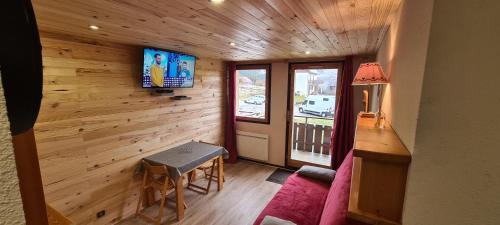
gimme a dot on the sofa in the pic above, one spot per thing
(306, 201)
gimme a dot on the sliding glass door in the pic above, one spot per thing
(311, 107)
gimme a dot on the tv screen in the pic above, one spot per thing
(166, 69)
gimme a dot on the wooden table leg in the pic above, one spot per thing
(150, 197)
(191, 176)
(179, 193)
(220, 174)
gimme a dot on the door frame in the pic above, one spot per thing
(289, 162)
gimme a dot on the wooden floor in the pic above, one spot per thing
(246, 192)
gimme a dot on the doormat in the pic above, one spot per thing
(279, 176)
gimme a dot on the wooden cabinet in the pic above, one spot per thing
(379, 174)
(56, 218)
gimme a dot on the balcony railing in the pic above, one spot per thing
(312, 137)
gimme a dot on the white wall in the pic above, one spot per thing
(11, 207)
(442, 102)
(455, 173)
(402, 55)
(277, 128)
(279, 94)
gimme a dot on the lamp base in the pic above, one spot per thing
(380, 120)
(367, 114)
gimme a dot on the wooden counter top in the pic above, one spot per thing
(379, 143)
(379, 175)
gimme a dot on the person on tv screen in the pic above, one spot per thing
(173, 64)
(157, 72)
(184, 70)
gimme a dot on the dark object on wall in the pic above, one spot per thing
(101, 213)
(180, 97)
(162, 92)
(21, 69)
(20, 63)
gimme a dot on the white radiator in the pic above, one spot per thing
(252, 145)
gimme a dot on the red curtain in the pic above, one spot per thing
(343, 129)
(230, 136)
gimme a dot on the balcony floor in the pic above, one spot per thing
(311, 157)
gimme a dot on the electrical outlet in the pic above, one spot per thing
(101, 213)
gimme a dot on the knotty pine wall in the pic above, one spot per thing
(96, 123)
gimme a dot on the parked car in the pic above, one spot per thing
(256, 99)
(321, 105)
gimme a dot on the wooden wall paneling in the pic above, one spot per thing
(267, 14)
(311, 13)
(269, 31)
(335, 23)
(215, 20)
(121, 15)
(313, 34)
(96, 123)
(277, 9)
(261, 29)
(378, 21)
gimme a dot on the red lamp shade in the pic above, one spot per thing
(370, 74)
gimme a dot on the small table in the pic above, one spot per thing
(185, 158)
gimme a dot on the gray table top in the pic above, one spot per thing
(186, 157)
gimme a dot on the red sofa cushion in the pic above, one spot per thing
(337, 202)
(300, 200)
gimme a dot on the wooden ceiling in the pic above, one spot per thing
(259, 29)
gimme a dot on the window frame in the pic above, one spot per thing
(267, 103)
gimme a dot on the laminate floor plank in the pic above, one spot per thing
(246, 192)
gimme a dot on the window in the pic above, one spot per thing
(312, 102)
(326, 99)
(253, 93)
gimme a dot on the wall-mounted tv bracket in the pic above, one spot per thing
(162, 92)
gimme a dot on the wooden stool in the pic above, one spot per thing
(204, 190)
(205, 168)
(208, 171)
(158, 179)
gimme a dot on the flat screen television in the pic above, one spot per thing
(167, 69)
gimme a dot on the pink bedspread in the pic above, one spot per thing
(300, 200)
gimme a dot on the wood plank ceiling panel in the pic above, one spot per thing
(259, 29)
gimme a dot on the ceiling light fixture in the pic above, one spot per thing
(216, 1)
(94, 27)
(232, 43)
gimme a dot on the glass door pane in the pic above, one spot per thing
(312, 106)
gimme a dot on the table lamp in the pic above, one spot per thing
(371, 74)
